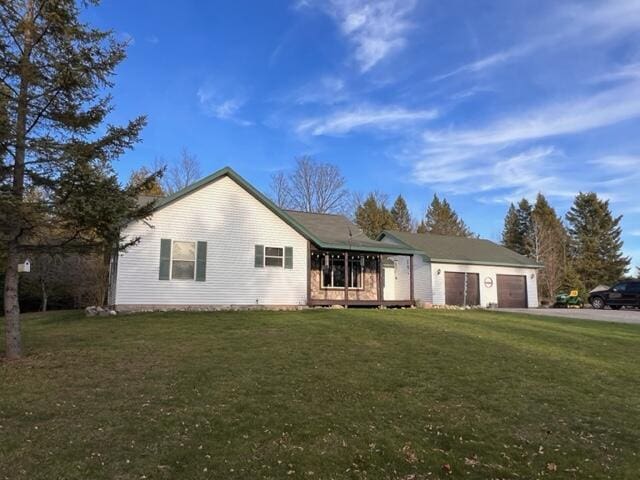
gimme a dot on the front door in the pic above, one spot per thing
(389, 291)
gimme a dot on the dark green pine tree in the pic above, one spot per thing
(441, 219)
(59, 190)
(525, 226)
(516, 233)
(372, 216)
(401, 216)
(511, 236)
(595, 241)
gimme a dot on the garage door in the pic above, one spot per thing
(512, 291)
(461, 288)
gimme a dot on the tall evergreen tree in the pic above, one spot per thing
(372, 216)
(401, 216)
(595, 241)
(511, 236)
(525, 226)
(55, 70)
(516, 234)
(441, 219)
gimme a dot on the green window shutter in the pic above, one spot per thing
(288, 257)
(201, 262)
(259, 260)
(165, 259)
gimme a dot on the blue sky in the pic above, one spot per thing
(483, 102)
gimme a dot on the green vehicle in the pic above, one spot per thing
(568, 300)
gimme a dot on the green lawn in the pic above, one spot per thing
(319, 394)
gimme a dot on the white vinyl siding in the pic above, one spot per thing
(232, 222)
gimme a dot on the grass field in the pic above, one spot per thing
(319, 394)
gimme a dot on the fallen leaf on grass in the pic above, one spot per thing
(552, 467)
(409, 454)
(471, 461)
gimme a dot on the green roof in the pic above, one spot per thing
(461, 250)
(339, 232)
(325, 231)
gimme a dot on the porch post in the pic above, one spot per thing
(379, 282)
(411, 279)
(346, 279)
(309, 273)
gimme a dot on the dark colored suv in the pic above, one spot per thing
(623, 294)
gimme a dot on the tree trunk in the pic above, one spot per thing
(13, 345)
(45, 297)
(11, 303)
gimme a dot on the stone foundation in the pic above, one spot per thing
(203, 308)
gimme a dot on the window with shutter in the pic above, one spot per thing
(183, 261)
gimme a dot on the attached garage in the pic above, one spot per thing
(512, 291)
(469, 271)
(462, 288)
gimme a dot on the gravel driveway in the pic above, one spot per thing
(606, 315)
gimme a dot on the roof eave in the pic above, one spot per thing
(491, 264)
(371, 249)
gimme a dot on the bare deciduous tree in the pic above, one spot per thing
(549, 249)
(280, 189)
(311, 187)
(179, 174)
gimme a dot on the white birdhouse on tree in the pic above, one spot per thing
(24, 267)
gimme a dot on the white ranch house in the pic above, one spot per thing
(220, 243)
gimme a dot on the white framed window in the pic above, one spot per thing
(274, 257)
(183, 260)
(333, 274)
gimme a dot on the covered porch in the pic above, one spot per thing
(357, 278)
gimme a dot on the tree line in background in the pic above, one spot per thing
(580, 252)
(568, 252)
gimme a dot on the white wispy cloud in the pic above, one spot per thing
(619, 162)
(562, 118)
(327, 90)
(345, 121)
(375, 28)
(499, 161)
(221, 108)
(585, 22)
(625, 72)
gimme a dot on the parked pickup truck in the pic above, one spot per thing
(622, 294)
